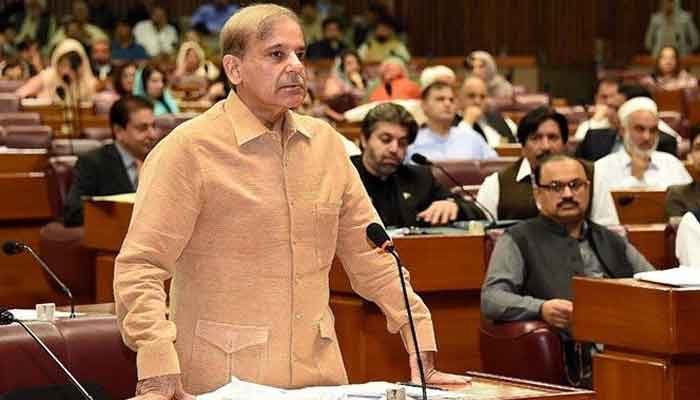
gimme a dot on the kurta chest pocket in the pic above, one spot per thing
(327, 217)
(227, 350)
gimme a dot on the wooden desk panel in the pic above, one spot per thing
(22, 282)
(54, 116)
(640, 206)
(25, 160)
(106, 224)
(509, 150)
(26, 197)
(650, 240)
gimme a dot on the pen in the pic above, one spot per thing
(416, 385)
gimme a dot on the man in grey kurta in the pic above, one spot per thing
(530, 272)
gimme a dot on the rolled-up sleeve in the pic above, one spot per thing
(166, 209)
(374, 275)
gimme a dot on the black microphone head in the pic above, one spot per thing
(61, 92)
(6, 317)
(377, 235)
(11, 247)
(66, 79)
(388, 88)
(420, 159)
(625, 200)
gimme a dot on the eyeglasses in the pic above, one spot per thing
(558, 187)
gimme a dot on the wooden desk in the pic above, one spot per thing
(450, 286)
(652, 345)
(640, 206)
(54, 116)
(650, 240)
(24, 208)
(494, 387)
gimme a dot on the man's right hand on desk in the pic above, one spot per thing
(166, 387)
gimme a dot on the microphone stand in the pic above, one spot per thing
(55, 278)
(477, 203)
(391, 250)
(43, 346)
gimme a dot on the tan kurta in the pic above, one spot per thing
(248, 229)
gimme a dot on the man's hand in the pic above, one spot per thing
(440, 212)
(639, 165)
(472, 114)
(433, 376)
(557, 312)
(166, 387)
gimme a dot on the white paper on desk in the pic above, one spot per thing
(240, 390)
(682, 276)
(117, 198)
(30, 315)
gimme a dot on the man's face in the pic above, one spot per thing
(545, 141)
(641, 135)
(123, 32)
(667, 61)
(271, 75)
(383, 32)
(100, 52)
(555, 197)
(607, 94)
(80, 12)
(159, 16)
(332, 32)
(478, 68)
(474, 93)
(140, 135)
(694, 154)
(439, 106)
(128, 75)
(385, 149)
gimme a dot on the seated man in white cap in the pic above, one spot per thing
(638, 163)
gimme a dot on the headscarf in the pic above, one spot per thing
(205, 70)
(52, 80)
(496, 85)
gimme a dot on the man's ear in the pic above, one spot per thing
(232, 68)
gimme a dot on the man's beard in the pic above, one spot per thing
(632, 147)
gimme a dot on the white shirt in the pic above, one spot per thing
(603, 211)
(493, 138)
(615, 171)
(687, 239)
(461, 143)
(587, 125)
(154, 41)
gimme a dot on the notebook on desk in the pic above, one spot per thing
(681, 276)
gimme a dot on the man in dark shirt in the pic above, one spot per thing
(114, 168)
(331, 45)
(403, 195)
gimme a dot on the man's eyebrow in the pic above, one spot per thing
(280, 46)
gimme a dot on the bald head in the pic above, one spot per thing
(473, 92)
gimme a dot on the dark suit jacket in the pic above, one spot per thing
(599, 143)
(100, 172)
(417, 190)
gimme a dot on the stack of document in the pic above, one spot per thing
(681, 276)
(30, 315)
(240, 390)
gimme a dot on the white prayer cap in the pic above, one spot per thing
(431, 75)
(636, 104)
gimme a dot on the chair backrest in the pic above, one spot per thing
(27, 137)
(669, 100)
(66, 147)
(62, 248)
(466, 172)
(19, 118)
(90, 347)
(97, 133)
(488, 167)
(9, 102)
(522, 349)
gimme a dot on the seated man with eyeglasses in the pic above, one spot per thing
(531, 267)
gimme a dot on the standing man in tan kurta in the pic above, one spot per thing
(245, 207)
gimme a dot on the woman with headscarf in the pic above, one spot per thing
(669, 73)
(482, 65)
(69, 76)
(151, 83)
(191, 62)
(671, 26)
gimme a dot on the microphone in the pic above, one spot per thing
(378, 236)
(12, 247)
(6, 318)
(626, 200)
(423, 160)
(388, 88)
